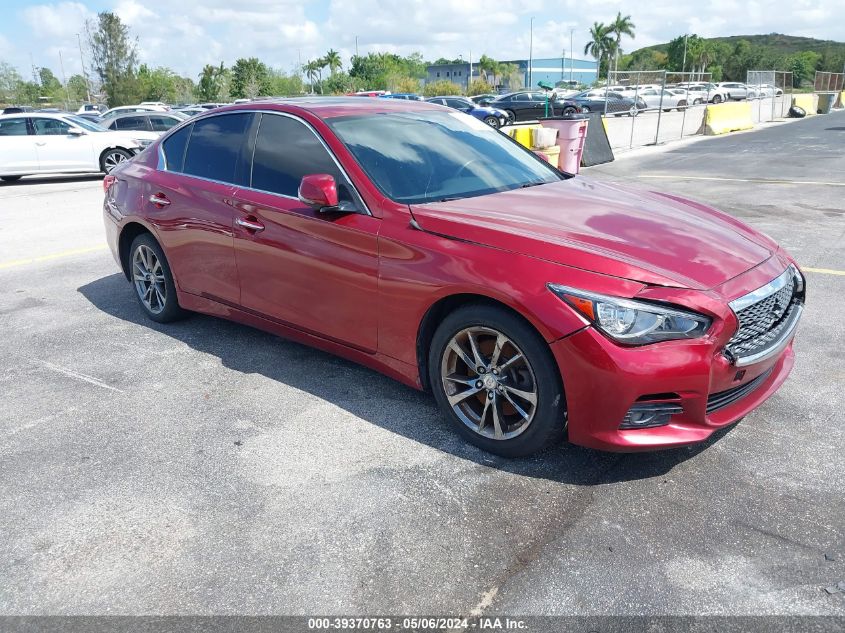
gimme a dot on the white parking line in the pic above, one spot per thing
(79, 376)
(762, 181)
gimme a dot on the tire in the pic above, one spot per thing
(10, 178)
(697, 102)
(511, 115)
(569, 110)
(585, 109)
(797, 112)
(681, 104)
(492, 122)
(524, 427)
(160, 307)
(111, 158)
(717, 98)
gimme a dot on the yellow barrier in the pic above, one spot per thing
(807, 102)
(521, 133)
(728, 117)
(841, 103)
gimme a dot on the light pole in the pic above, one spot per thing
(531, 55)
(571, 55)
(684, 63)
(84, 74)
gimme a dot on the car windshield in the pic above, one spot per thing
(418, 157)
(85, 124)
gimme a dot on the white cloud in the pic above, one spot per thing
(187, 34)
(56, 21)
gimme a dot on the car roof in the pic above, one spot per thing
(126, 115)
(330, 107)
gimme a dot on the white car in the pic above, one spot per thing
(738, 91)
(706, 92)
(90, 108)
(41, 143)
(668, 101)
(135, 108)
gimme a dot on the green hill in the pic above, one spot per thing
(774, 42)
(729, 58)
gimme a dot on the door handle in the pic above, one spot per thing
(250, 224)
(40, 143)
(159, 200)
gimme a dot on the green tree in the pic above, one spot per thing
(78, 88)
(312, 70)
(620, 26)
(441, 87)
(803, 66)
(49, 83)
(9, 80)
(600, 44)
(333, 61)
(250, 78)
(479, 87)
(213, 81)
(113, 58)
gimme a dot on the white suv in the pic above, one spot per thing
(41, 143)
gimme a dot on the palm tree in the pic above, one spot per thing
(600, 43)
(619, 27)
(489, 67)
(332, 59)
(311, 69)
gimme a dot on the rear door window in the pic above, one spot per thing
(173, 148)
(162, 123)
(132, 123)
(215, 149)
(13, 127)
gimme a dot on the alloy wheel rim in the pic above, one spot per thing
(113, 159)
(148, 275)
(489, 383)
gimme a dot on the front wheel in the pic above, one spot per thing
(717, 98)
(111, 158)
(492, 122)
(585, 108)
(153, 281)
(511, 116)
(569, 110)
(495, 379)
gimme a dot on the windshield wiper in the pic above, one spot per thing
(531, 184)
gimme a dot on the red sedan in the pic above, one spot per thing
(422, 243)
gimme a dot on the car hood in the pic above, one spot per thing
(609, 229)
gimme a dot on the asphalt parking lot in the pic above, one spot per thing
(204, 467)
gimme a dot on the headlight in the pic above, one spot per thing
(143, 142)
(633, 322)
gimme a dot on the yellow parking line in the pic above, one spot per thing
(46, 258)
(824, 271)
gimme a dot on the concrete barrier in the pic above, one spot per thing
(728, 117)
(841, 102)
(808, 102)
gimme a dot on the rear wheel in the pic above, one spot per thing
(495, 379)
(717, 98)
(153, 281)
(511, 115)
(492, 121)
(10, 178)
(682, 104)
(113, 157)
(569, 110)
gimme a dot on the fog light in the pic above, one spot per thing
(644, 416)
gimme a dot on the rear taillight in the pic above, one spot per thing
(108, 181)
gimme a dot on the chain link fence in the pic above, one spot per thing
(829, 82)
(772, 92)
(649, 107)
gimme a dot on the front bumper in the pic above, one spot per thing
(603, 381)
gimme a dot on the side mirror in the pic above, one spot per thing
(319, 191)
(76, 131)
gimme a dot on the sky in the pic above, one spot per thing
(187, 34)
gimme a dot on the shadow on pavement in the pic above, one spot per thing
(374, 397)
(45, 180)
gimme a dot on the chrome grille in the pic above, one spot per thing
(767, 318)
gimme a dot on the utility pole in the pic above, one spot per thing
(571, 54)
(64, 81)
(84, 74)
(684, 63)
(531, 55)
(356, 46)
(469, 79)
